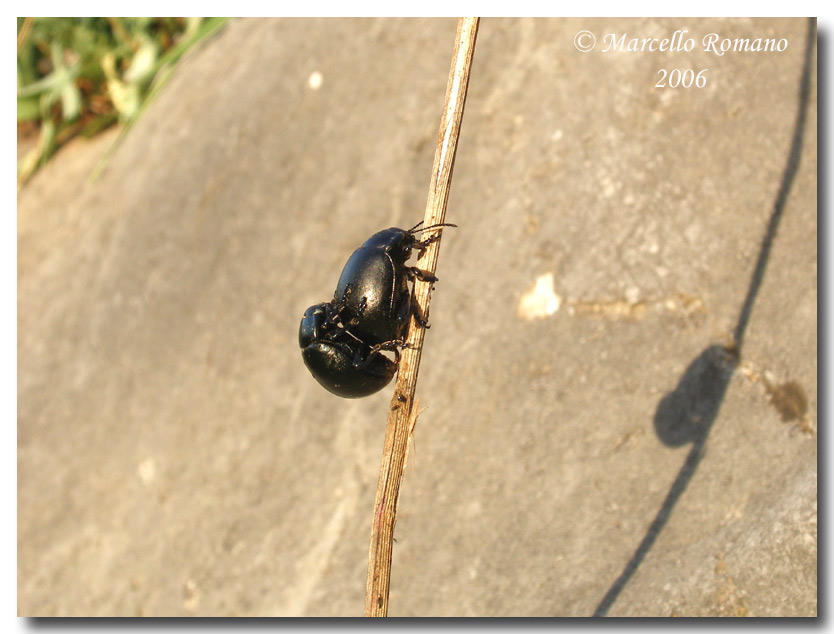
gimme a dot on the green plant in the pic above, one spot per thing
(82, 75)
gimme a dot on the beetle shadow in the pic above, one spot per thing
(686, 414)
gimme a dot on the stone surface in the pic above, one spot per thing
(175, 457)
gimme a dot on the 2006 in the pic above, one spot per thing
(684, 79)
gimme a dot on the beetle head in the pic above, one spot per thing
(313, 325)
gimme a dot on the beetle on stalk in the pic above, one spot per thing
(342, 340)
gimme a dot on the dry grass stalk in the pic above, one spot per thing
(400, 411)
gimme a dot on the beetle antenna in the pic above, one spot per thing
(430, 227)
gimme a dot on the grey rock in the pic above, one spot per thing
(175, 457)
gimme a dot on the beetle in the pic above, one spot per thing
(342, 364)
(373, 287)
(342, 340)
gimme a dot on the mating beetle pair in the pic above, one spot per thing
(342, 341)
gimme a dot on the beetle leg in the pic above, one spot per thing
(413, 272)
(344, 299)
(421, 245)
(336, 306)
(357, 359)
(360, 359)
(363, 303)
(390, 346)
(330, 323)
(413, 306)
(419, 316)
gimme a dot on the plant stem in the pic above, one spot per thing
(402, 412)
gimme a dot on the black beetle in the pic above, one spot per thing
(373, 288)
(342, 340)
(341, 363)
